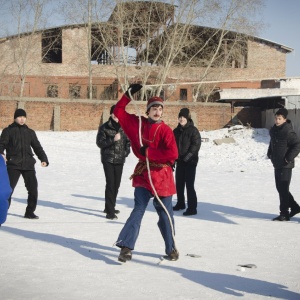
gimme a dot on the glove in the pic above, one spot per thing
(143, 150)
(134, 88)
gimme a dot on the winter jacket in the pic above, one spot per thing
(18, 141)
(284, 146)
(114, 152)
(188, 140)
(5, 190)
(161, 152)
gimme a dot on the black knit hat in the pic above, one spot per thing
(20, 113)
(282, 112)
(112, 109)
(184, 112)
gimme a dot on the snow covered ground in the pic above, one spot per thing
(68, 253)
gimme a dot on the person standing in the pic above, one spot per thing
(188, 140)
(18, 140)
(5, 190)
(283, 148)
(159, 147)
(115, 147)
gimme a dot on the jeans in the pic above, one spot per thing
(129, 233)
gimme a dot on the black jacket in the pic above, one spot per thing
(114, 152)
(188, 140)
(284, 146)
(18, 142)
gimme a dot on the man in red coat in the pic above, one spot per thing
(159, 146)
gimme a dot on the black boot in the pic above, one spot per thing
(179, 207)
(30, 216)
(190, 212)
(281, 218)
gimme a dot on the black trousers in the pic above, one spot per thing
(31, 185)
(113, 175)
(282, 180)
(185, 177)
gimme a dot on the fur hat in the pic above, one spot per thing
(112, 109)
(184, 112)
(282, 112)
(20, 113)
(154, 101)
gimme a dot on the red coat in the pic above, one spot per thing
(161, 152)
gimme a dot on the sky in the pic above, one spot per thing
(282, 18)
(69, 254)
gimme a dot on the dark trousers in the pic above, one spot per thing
(282, 180)
(185, 177)
(113, 175)
(31, 185)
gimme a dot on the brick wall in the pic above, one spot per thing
(77, 115)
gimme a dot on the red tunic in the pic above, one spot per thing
(162, 150)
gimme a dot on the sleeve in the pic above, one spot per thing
(293, 145)
(38, 149)
(103, 140)
(195, 145)
(4, 140)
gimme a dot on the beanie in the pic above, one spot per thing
(184, 112)
(154, 101)
(112, 109)
(20, 113)
(282, 112)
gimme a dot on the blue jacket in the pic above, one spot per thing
(5, 190)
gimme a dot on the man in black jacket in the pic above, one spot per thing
(188, 140)
(18, 140)
(284, 147)
(115, 147)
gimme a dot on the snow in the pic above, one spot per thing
(69, 254)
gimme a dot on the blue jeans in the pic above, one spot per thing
(131, 229)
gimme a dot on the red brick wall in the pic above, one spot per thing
(77, 115)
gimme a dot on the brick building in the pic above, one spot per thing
(62, 76)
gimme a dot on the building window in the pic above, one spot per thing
(94, 92)
(183, 94)
(52, 46)
(74, 91)
(52, 91)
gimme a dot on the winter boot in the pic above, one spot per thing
(30, 216)
(125, 254)
(111, 217)
(178, 207)
(281, 218)
(174, 255)
(190, 212)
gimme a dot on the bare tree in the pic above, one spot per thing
(27, 21)
(159, 37)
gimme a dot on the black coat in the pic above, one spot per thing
(188, 140)
(284, 146)
(114, 152)
(18, 142)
